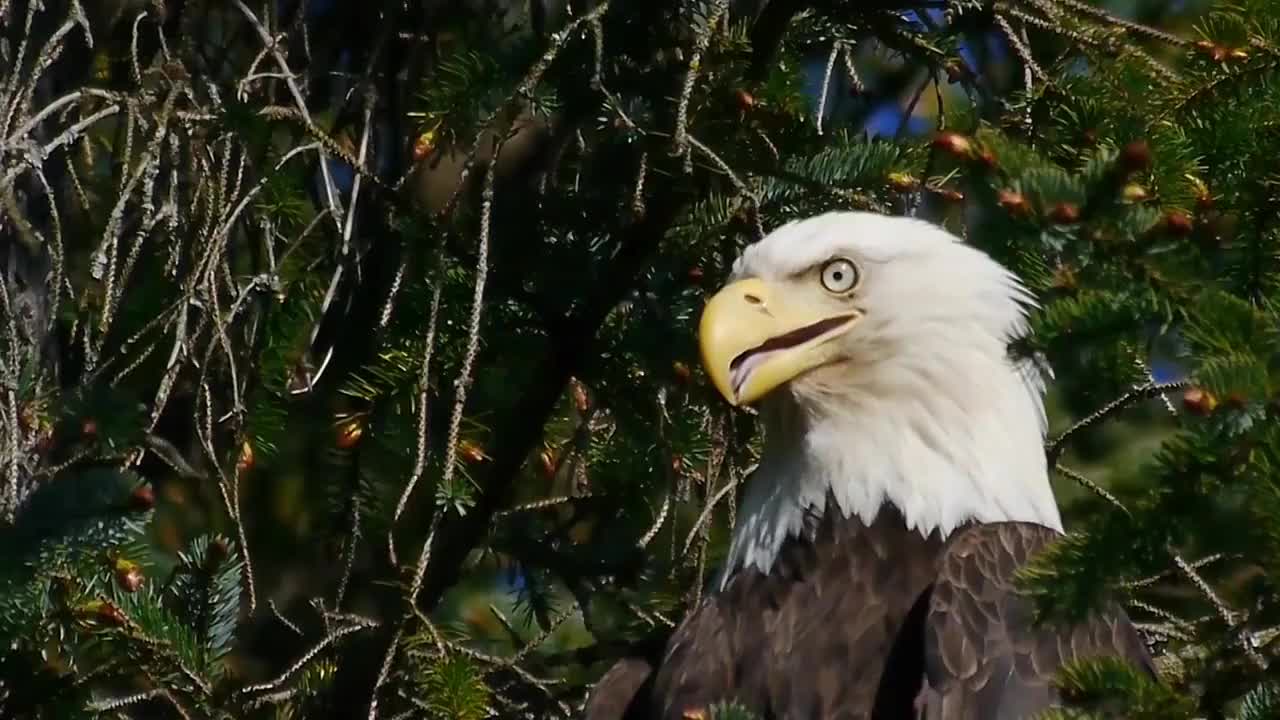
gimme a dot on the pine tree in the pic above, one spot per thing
(347, 352)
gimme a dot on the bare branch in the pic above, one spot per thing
(1143, 392)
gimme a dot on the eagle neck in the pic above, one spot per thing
(943, 455)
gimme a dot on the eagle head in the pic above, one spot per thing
(876, 349)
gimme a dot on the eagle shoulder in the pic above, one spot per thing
(620, 693)
(983, 654)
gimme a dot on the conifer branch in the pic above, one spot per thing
(330, 192)
(1178, 624)
(1162, 631)
(542, 684)
(389, 304)
(836, 48)
(13, 490)
(1231, 618)
(1153, 579)
(275, 611)
(1143, 392)
(352, 545)
(384, 670)
(512, 633)
(463, 382)
(1020, 48)
(542, 504)
(521, 426)
(424, 375)
(303, 661)
(1111, 19)
(658, 522)
(653, 617)
(702, 39)
(228, 489)
(537, 640)
(705, 515)
(362, 155)
(637, 196)
(733, 178)
(1205, 92)
(1092, 487)
(524, 90)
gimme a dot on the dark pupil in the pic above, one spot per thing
(837, 276)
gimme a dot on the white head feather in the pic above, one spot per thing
(926, 410)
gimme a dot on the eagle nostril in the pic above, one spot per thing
(753, 299)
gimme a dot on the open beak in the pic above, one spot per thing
(753, 339)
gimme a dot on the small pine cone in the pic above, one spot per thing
(681, 372)
(470, 452)
(349, 434)
(954, 143)
(1135, 156)
(102, 611)
(581, 401)
(218, 551)
(1134, 193)
(246, 460)
(142, 499)
(1199, 401)
(903, 182)
(547, 463)
(28, 418)
(1178, 223)
(1065, 213)
(128, 575)
(949, 194)
(1064, 277)
(1014, 203)
(423, 145)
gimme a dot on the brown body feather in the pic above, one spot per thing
(879, 621)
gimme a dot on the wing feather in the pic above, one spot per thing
(983, 656)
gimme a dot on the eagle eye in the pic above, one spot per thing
(839, 275)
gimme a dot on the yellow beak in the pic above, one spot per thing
(753, 339)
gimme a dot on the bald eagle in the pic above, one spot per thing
(903, 481)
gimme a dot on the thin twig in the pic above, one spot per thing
(1020, 48)
(658, 522)
(420, 459)
(1142, 392)
(463, 382)
(1228, 616)
(1091, 486)
(303, 661)
(706, 512)
(826, 83)
(1153, 579)
(700, 43)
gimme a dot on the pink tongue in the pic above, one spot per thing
(738, 376)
